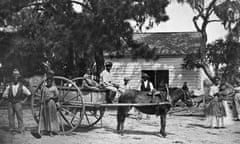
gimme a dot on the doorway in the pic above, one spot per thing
(158, 78)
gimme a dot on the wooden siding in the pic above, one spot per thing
(126, 67)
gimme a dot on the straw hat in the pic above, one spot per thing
(144, 75)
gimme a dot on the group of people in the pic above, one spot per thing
(16, 94)
(218, 93)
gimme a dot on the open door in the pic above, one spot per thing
(159, 78)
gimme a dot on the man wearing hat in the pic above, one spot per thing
(16, 95)
(106, 79)
(146, 85)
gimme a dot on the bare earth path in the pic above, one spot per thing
(181, 129)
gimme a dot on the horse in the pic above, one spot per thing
(138, 97)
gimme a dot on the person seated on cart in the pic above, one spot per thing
(89, 82)
(106, 80)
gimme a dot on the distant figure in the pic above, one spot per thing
(125, 85)
(185, 86)
(215, 108)
(16, 94)
(236, 100)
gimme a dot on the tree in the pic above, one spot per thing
(205, 9)
(224, 56)
(53, 29)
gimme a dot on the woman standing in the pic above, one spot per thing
(49, 122)
(215, 107)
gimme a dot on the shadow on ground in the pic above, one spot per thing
(136, 132)
(198, 125)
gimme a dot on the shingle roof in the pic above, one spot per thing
(174, 43)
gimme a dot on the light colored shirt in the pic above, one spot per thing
(14, 90)
(146, 84)
(106, 77)
(213, 90)
(89, 76)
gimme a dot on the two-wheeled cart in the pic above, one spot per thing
(77, 107)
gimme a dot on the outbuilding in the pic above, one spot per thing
(168, 67)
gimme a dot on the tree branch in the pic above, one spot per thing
(214, 21)
(83, 5)
(195, 18)
(210, 8)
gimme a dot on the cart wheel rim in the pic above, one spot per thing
(70, 105)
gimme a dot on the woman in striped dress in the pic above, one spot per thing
(49, 122)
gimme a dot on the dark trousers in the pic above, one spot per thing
(15, 109)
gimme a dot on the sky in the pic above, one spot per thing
(181, 21)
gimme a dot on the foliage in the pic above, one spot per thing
(71, 41)
(219, 52)
(225, 57)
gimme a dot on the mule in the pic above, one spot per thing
(138, 97)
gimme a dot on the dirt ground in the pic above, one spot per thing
(183, 127)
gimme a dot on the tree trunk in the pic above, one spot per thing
(99, 58)
(207, 70)
(70, 62)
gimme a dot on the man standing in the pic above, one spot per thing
(236, 101)
(125, 85)
(16, 95)
(106, 81)
(147, 86)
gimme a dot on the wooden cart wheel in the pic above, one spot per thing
(70, 104)
(92, 114)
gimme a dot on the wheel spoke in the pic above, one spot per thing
(72, 114)
(87, 118)
(65, 119)
(72, 109)
(70, 99)
(62, 124)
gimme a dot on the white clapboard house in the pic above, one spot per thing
(172, 48)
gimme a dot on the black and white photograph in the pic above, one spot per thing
(119, 71)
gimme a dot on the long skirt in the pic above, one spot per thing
(215, 108)
(50, 120)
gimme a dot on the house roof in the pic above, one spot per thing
(171, 43)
